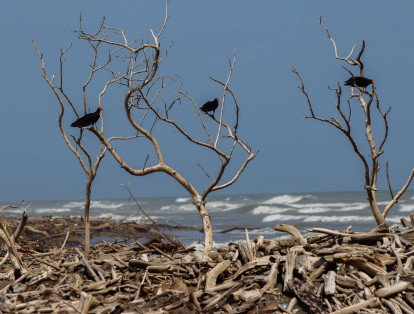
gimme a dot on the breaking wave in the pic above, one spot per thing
(283, 199)
(51, 210)
(262, 209)
(96, 204)
(182, 199)
(316, 218)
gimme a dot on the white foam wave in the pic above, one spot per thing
(96, 204)
(13, 211)
(187, 207)
(174, 208)
(222, 206)
(169, 207)
(314, 210)
(112, 216)
(406, 208)
(342, 206)
(105, 205)
(75, 204)
(323, 208)
(51, 210)
(141, 218)
(383, 203)
(394, 219)
(182, 199)
(283, 199)
(262, 209)
(316, 218)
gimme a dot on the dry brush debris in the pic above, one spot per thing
(333, 272)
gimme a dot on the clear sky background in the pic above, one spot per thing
(296, 155)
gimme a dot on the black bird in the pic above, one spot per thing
(359, 81)
(87, 119)
(210, 106)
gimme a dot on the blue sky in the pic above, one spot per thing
(296, 155)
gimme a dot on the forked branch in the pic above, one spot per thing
(365, 99)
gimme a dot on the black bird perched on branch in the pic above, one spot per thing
(359, 81)
(210, 106)
(87, 119)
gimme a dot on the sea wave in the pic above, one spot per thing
(112, 216)
(263, 209)
(326, 207)
(394, 219)
(75, 204)
(174, 208)
(106, 205)
(215, 206)
(182, 199)
(283, 199)
(126, 217)
(169, 207)
(315, 210)
(383, 203)
(222, 206)
(142, 218)
(13, 211)
(316, 218)
(95, 204)
(51, 210)
(405, 208)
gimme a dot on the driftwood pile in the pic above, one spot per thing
(340, 272)
(40, 232)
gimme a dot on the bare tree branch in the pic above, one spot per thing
(365, 99)
(146, 106)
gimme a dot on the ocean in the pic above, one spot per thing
(259, 213)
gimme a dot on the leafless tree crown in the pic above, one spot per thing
(367, 99)
(133, 66)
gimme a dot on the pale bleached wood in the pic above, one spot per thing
(289, 266)
(348, 282)
(85, 302)
(392, 289)
(374, 302)
(215, 272)
(394, 308)
(292, 231)
(292, 304)
(379, 278)
(14, 255)
(272, 277)
(403, 305)
(87, 265)
(329, 283)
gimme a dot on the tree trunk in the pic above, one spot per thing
(374, 170)
(208, 229)
(87, 222)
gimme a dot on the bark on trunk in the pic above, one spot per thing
(87, 222)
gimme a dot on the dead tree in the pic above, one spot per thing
(369, 102)
(76, 146)
(134, 67)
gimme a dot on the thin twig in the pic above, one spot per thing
(388, 180)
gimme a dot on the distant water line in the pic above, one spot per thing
(333, 210)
